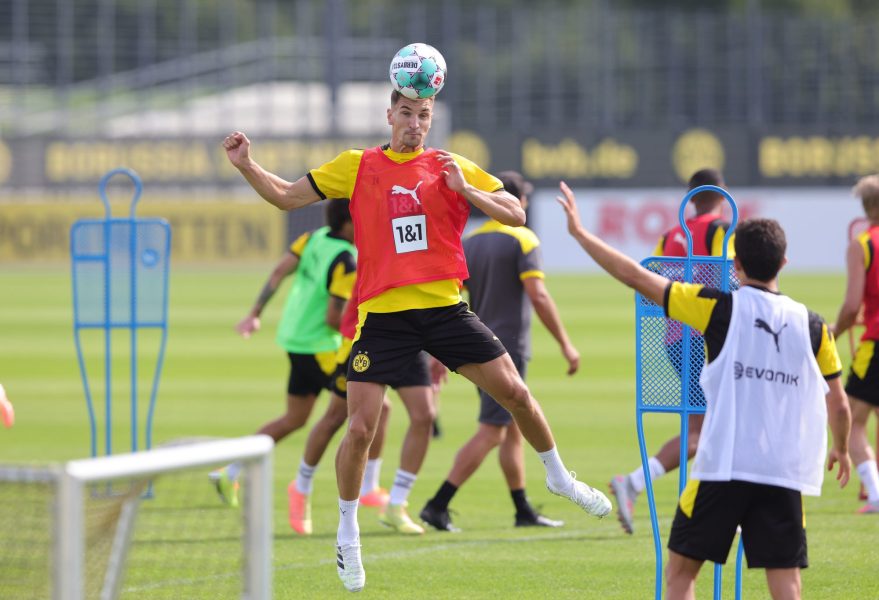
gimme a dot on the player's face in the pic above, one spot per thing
(410, 121)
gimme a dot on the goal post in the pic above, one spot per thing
(77, 478)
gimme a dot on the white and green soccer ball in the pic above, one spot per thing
(418, 71)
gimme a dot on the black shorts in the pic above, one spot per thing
(389, 342)
(771, 518)
(863, 378)
(309, 373)
(417, 374)
(492, 413)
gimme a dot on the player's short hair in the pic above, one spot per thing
(760, 247)
(867, 189)
(706, 177)
(337, 213)
(395, 97)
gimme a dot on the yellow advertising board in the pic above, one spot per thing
(201, 231)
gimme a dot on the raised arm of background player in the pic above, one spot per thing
(287, 265)
(653, 286)
(546, 309)
(499, 205)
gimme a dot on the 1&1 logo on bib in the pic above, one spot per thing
(408, 221)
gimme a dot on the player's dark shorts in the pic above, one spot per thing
(771, 518)
(389, 342)
(863, 378)
(309, 373)
(492, 413)
(416, 375)
(675, 353)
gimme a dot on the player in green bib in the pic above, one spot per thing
(324, 261)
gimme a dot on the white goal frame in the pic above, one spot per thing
(255, 454)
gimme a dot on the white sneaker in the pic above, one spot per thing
(588, 498)
(350, 567)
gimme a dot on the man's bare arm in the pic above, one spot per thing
(610, 259)
(274, 189)
(500, 205)
(839, 417)
(548, 313)
(854, 291)
(251, 323)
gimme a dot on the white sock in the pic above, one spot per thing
(556, 473)
(305, 478)
(636, 477)
(370, 476)
(349, 530)
(403, 483)
(869, 474)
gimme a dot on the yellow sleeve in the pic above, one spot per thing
(659, 246)
(343, 275)
(476, 177)
(298, 246)
(685, 303)
(827, 355)
(717, 243)
(336, 178)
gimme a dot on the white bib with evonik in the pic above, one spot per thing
(766, 417)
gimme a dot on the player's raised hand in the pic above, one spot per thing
(451, 171)
(845, 465)
(569, 203)
(237, 149)
(247, 326)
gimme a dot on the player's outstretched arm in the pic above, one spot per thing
(610, 259)
(839, 417)
(251, 323)
(501, 206)
(546, 310)
(854, 291)
(273, 189)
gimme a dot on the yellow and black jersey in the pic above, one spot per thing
(298, 245)
(336, 179)
(707, 232)
(342, 273)
(709, 310)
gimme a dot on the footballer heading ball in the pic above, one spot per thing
(418, 71)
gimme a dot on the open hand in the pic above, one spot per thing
(569, 203)
(845, 465)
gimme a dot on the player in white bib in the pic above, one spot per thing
(771, 384)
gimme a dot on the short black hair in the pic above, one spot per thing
(337, 213)
(760, 247)
(396, 96)
(706, 177)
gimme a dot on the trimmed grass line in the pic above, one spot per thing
(373, 557)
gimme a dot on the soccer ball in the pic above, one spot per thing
(418, 71)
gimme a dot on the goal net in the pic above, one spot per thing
(142, 525)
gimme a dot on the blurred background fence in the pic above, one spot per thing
(602, 94)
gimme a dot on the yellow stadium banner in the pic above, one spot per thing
(201, 231)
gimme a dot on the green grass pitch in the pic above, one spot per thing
(216, 384)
